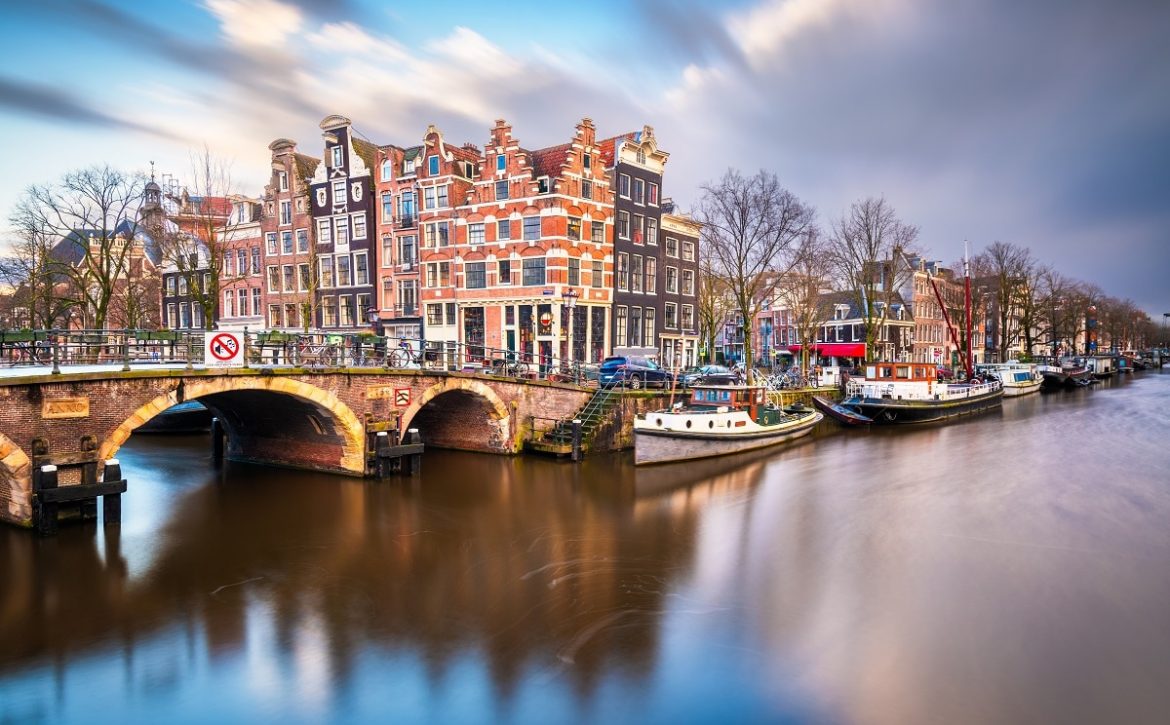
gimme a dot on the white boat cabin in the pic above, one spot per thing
(908, 381)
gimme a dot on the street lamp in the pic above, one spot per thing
(1165, 343)
(569, 300)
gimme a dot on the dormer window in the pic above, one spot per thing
(386, 170)
(542, 185)
(433, 165)
(501, 162)
(587, 161)
(281, 181)
(335, 158)
(641, 156)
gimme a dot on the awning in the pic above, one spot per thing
(836, 349)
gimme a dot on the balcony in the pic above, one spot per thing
(406, 221)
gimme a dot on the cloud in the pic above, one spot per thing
(47, 102)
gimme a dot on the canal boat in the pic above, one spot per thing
(839, 413)
(904, 392)
(1017, 378)
(717, 420)
(1100, 366)
(1068, 373)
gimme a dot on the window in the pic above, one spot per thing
(281, 181)
(688, 317)
(387, 207)
(434, 315)
(671, 321)
(598, 275)
(533, 270)
(286, 242)
(639, 223)
(475, 275)
(345, 311)
(256, 301)
(343, 271)
(329, 311)
(635, 327)
(671, 247)
(475, 233)
(439, 274)
(300, 204)
(504, 229)
(361, 269)
(241, 263)
(639, 191)
(586, 188)
(359, 226)
(504, 274)
(502, 189)
(285, 213)
(587, 161)
(406, 249)
(290, 278)
(636, 273)
(574, 228)
(624, 186)
(326, 265)
(406, 208)
(501, 162)
(429, 197)
(442, 196)
(598, 232)
(450, 313)
(362, 303)
(274, 316)
(256, 259)
(433, 165)
(170, 286)
(387, 293)
(386, 170)
(303, 276)
(651, 231)
(671, 280)
(574, 272)
(651, 275)
(387, 250)
(335, 156)
(407, 296)
(341, 225)
(437, 234)
(229, 303)
(623, 271)
(228, 258)
(652, 194)
(623, 229)
(324, 234)
(688, 251)
(270, 242)
(185, 315)
(339, 192)
(688, 282)
(648, 322)
(542, 185)
(274, 278)
(621, 319)
(531, 228)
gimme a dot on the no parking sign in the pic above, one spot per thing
(223, 349)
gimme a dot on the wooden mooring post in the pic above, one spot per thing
(216, 443)
(50, 494)
(389, 455)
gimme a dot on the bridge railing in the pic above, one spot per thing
(317, 350)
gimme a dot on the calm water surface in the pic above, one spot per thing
(1011, 568)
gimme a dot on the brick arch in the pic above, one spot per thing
(15, 479)
(499, 409)
(353, 431)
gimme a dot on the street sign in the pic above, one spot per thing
(401, 397)
(223, 350)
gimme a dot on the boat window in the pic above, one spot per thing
(725, 395)
(711, 395)
(870, 372)
(885, 371)
(903, 372)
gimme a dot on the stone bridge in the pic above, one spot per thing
(292, 417)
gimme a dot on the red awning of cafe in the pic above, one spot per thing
(836, 349)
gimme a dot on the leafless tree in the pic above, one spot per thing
(712, 306)
(752, 227)
(90, 219)
(27, 273)
(870, 251)
(802, 289)
(1009, 272)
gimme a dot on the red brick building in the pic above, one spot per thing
(241, 270)
(289, 251)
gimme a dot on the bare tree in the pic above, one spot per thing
(1009, 272)
(193, 242)
(27, 272)
(712, 306)
(870, 252)
(751, 233)
(92, 216)
(801, 291)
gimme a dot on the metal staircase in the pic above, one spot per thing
(595, 412)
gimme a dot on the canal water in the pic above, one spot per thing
(1010, 568)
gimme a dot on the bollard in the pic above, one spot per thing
(56, 353)
(112, 502)
(413, 461)
(47, 518)
(576, 439)
(381, 459)
(216, 442)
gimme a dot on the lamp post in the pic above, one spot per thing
(569, 300)
(1165, 343)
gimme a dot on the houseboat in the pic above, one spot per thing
(1101, 366)
(904, 392)
(1067, 373)
(717, 420)
(1017, 378)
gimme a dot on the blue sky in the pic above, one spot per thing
(1042, 123)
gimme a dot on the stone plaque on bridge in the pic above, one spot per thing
(65, 408)
(380, 392)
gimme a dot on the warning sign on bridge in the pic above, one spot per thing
(223, 349)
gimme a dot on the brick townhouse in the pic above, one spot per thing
(289, 251)
(241, 280)
(398, 270)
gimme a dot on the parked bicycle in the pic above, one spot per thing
(508, 368)
(311, 352)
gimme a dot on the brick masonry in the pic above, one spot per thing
(287, 417)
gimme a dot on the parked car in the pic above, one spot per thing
(710, 375)
(633, 372)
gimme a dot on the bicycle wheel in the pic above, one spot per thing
(399, 358)
(329, 356)
(521, 368)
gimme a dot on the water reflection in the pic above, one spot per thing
(1009, 568)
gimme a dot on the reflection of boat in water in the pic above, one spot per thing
(718, 420)
(895, 393)
(189, 417)
(1017, 378)
(737, 470)
(839, 413)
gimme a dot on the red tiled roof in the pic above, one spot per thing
(608, 147)
(548, 162)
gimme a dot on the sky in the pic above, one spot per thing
(1042, 123)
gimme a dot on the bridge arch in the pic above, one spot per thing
(462, 413)
(307, 426)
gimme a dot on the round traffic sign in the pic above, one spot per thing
(224, 346)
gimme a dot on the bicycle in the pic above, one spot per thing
(508, 368)
(316, 353)
(405, 358)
